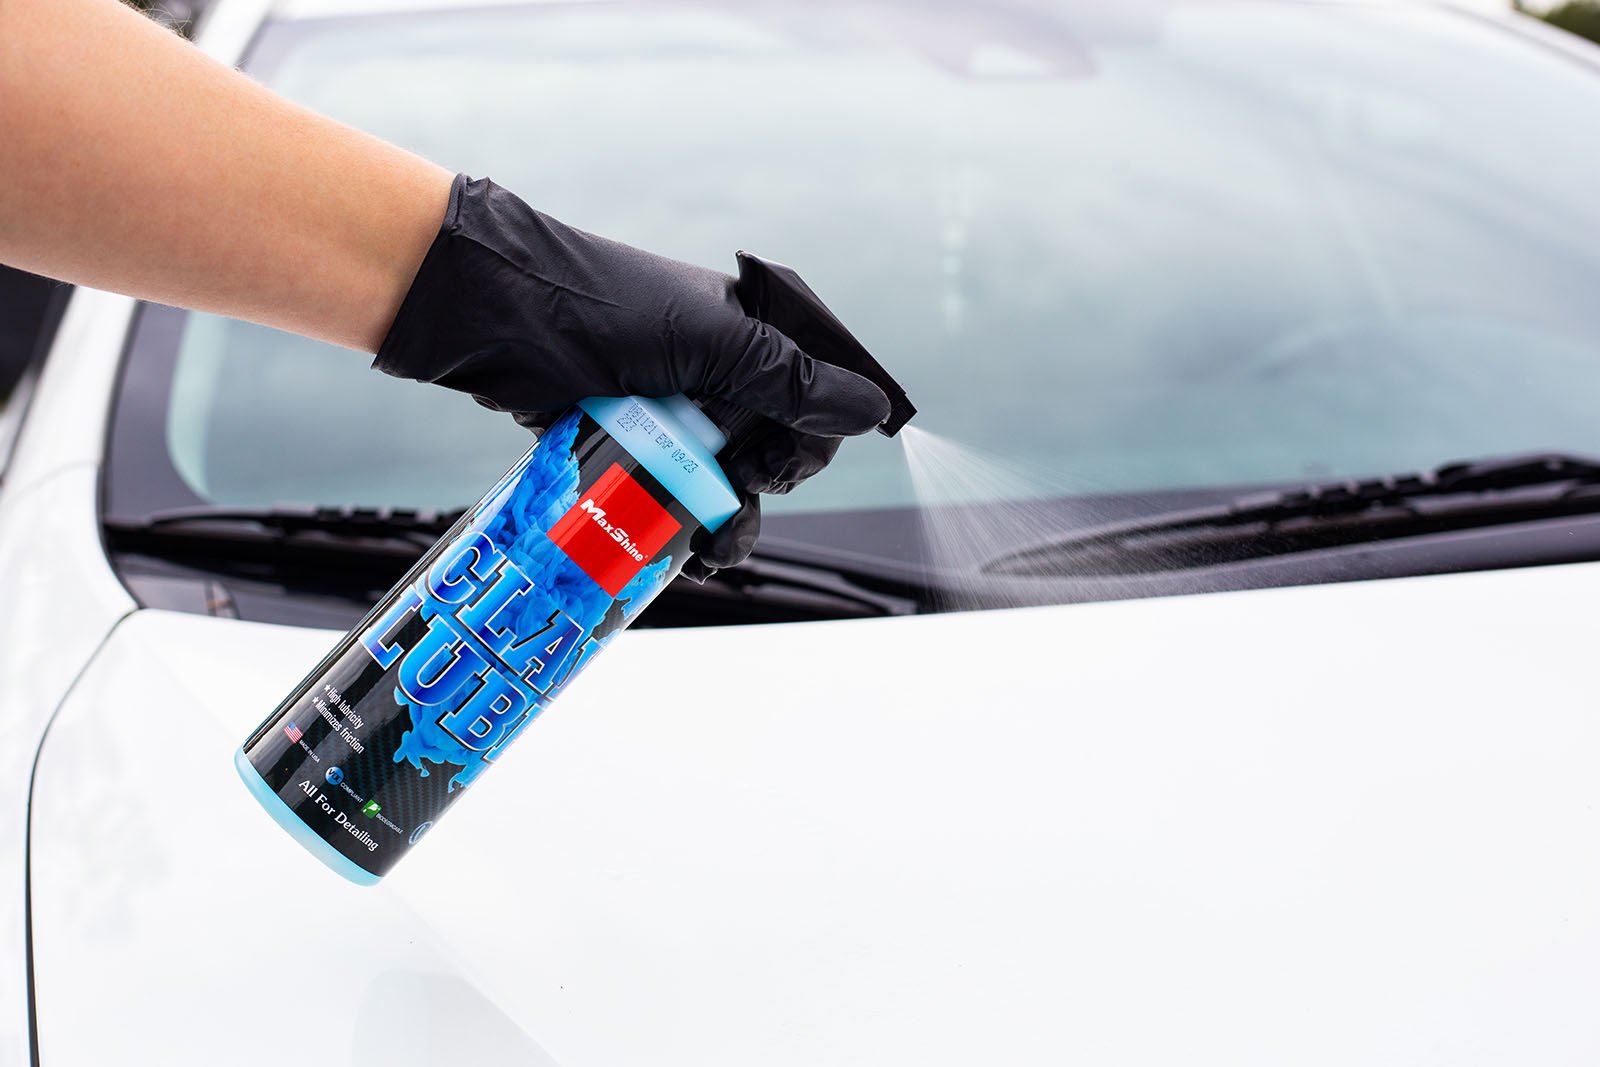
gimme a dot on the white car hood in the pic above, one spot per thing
(1338, 824)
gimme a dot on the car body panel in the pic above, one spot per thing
(61, 599)
(1261, 827)
(65, 423)
(60, 595)
(1311, 825)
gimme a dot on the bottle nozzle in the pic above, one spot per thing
(734, 421)
(777, 296)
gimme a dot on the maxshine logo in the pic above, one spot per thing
(617, 533)
(614, 530)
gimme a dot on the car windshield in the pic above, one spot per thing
(1128, 248)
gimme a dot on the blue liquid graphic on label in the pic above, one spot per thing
(490, 625)
(511, 619)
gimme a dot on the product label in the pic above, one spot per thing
(614, 530)
(490, 625)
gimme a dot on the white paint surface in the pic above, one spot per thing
(1346, 824)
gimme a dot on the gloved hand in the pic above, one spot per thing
(530, 316)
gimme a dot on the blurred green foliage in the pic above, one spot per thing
(1581, 17)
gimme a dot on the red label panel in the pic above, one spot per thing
(614, 530)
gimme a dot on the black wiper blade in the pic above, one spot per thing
(1470, 476)
(782, 580)
(339, 521)
(1493, 490)
(798, 579)
(374, 541)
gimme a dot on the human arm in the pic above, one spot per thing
(131, 161)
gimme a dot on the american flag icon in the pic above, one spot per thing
(292, 732)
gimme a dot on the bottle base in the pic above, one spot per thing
(285, 817)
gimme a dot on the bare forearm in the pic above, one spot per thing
(130, 161)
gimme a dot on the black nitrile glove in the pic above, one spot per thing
(775, 460)
(530, 316)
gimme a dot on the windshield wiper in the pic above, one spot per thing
(1487, 492)
(345, 520)
(284, 530)
(813, 580)
(786, 580)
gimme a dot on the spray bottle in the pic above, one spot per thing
(498, 617)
